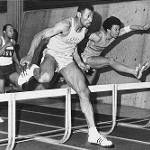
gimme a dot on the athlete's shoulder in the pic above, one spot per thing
(96, 36)
(66, 23)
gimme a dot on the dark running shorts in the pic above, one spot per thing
(5, 71)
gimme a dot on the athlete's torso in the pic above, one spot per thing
(66, 44)
(6, 57)
(96, 48)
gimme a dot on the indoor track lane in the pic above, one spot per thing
(38, 120)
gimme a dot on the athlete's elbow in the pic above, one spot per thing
(38, 37)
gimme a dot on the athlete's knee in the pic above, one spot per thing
(45, 77)
(83, 92)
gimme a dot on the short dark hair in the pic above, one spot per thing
(82, 7)
(109, 22)
(5, 26)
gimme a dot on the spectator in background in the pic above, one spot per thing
(8, 57)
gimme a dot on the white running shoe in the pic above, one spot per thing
(100, 140)
(1, 120)
(141, 68)
(26, 75)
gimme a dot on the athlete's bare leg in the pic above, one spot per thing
(45, 73)
(75, 78)
(14, 78)
(2, 90)
(33, 76)
(99, 62)
(2, 85)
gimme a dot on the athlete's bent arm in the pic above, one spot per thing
(139, 27)
(78, 60)
(47, 33)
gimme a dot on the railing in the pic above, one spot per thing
(11, 98)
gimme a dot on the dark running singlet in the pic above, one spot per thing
(6, 60)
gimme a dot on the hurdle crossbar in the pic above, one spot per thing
(11, 98)
(61, 92)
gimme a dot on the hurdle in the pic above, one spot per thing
(11, 98)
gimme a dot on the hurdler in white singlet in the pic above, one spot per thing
(6, 57)
(62, 48)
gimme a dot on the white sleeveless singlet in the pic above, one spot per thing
(62, 48)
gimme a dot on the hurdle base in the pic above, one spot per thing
(48, 140)
(130, 125)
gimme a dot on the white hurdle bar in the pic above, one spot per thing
(11, 98)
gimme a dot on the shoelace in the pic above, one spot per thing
(24, 68)
(141, 68)
(138, 68)
(101, 139)
(145, 65)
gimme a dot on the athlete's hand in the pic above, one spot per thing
(8, 44)
(83, 66)
(26, 60)
(19, 68)
(13, 41)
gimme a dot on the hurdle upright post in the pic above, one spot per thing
(67, 130)
(67, 116)
(114, 109)
(11, 122)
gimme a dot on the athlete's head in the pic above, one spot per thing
(85, 14)
(112, 25)
(8, 30)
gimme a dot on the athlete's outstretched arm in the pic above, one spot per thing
(139, 27)
(133, 28)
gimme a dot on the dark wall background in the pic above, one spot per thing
(46, 4)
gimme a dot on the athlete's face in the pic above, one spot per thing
(86, 17)
(9, 32)
(115, 30)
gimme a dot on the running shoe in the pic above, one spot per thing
(1, 120)
(100, 140)
(26, 75)
(141, 68)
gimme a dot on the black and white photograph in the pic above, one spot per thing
(74, 75)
